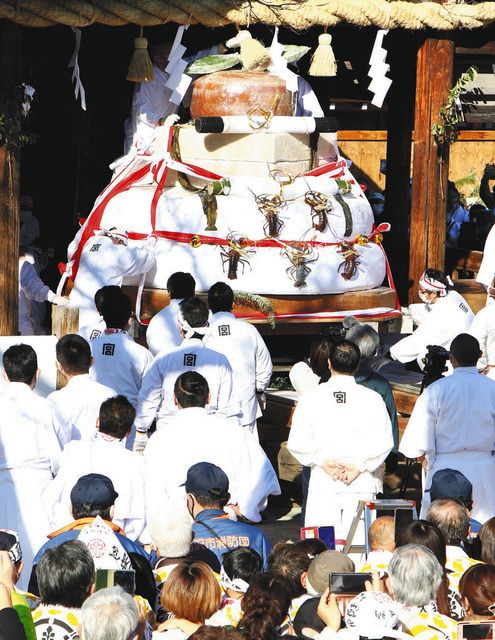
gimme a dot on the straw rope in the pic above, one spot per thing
(297, 14)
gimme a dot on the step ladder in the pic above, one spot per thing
(364, 508)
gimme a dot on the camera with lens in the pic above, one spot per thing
(434, 362)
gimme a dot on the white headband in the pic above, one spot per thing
(237, 584)
(430, 284)
(15, 552)
(114, 233)
(187, 329)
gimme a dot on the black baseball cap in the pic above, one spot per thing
(94, 489)
(450, 483)
(204, 478)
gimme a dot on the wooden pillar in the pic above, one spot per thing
(429, 187)
(402, 47)
(10, 108)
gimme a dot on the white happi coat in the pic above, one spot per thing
(93, 330)
(79, 404)
(119, 363)
(105, 263)
(248, 356)
(483, 329)
(163, 333)
(31, 287)
(487, 267)
(157, 390)
(439, 324)
(346, 422)
(192, 435)
(108, 456)
(29, 454)
(453, 424)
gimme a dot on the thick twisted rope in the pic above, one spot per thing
(296, 14)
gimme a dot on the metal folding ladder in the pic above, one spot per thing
(365, 507)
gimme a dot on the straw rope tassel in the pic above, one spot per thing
(140, 66)
(254, 56)
(323, 60)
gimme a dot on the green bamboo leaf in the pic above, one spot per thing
(294, 52)
(210, 64)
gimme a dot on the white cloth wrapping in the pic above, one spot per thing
(346, 422)
(453, 424)
(191, 436)
(110, 458)
(28, 456)
(157, 389)
(105, 263)
(31, 287)
(120, 363)
(483, 329)
(163, 332)
(79, 404)
(266, 272)
(440, 324)
(487, 267)
(246, 351)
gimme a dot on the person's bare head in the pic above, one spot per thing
(381, 534)
(159, 54)
(452, 518)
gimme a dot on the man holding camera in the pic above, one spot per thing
(453, 426)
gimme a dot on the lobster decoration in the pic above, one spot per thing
(300, 255)
(235, 254)
(349, 266)
(320, 205)
(269, 206)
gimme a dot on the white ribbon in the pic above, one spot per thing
(379, 84)
(187, 329)
(178, 82)
(28, 98)
(76, 75)
(279, 65)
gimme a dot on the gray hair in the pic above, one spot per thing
(365, 338)
(171, 532)
(451, 517)
(415, 575)
(110, 614)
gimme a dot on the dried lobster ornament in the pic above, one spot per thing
(271, 204)
(300, 255)
(348, 268)
(320, 205)
(235, 254)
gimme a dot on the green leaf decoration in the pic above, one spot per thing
(294, 52)
(210, 64)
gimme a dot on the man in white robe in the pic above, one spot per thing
(29, 453)
(80, 400)
(244, 348)
(118, 361)
(106, 454)
(453, 426)
(107, 259)
(342, 431)
(163, 332)
(483, 329)
(157, 391)
(441, 317)
(193, 436)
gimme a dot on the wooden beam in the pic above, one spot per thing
(402, 47)
(10, 107)
(429, 186)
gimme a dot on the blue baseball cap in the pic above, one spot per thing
(204, 478)
(94, 489)
(450, 483)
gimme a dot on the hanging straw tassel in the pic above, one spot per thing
(140, 66)
(254, 56)
(323, 60)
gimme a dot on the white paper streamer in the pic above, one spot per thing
(76, 75)
(178, 82)
(279, 65)
(28, 98)
(379, 84)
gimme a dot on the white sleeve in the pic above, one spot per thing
(419, 436)
(149, 398)
(57, 509)
(479, 330)
(302, 443)
(137, 260)
(142, 101)
(228, 403)
(263, 363)
(31, 284)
